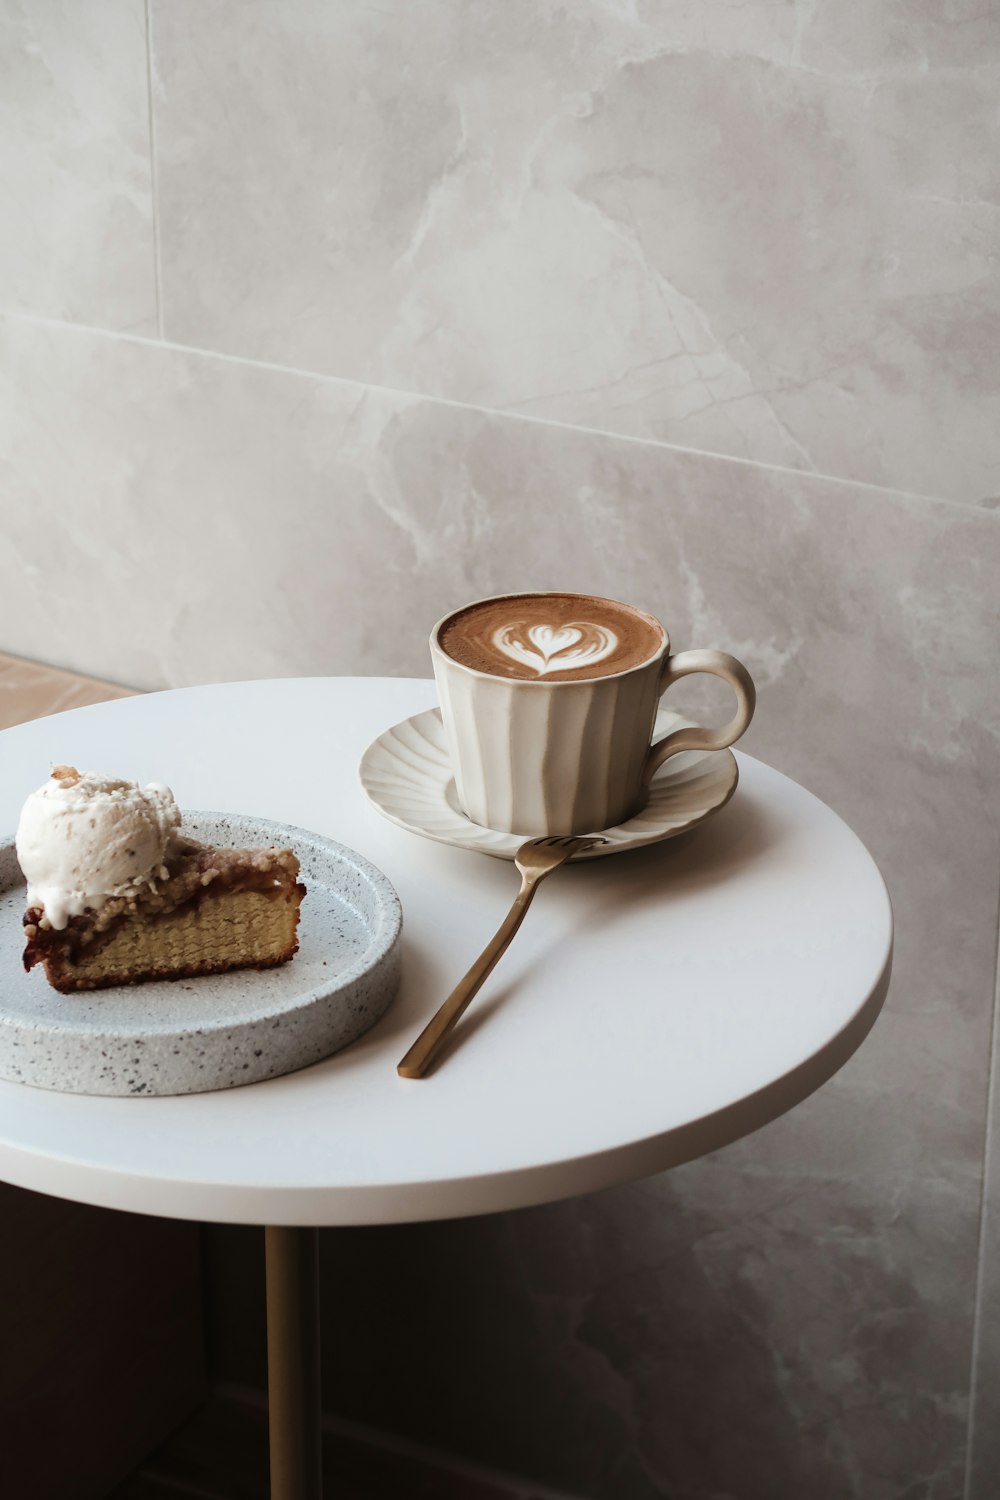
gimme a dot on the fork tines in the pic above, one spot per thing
(564, 841)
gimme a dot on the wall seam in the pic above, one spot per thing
(154, 186)
(992, 1103)
(967, 507)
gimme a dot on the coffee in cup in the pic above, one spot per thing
(548, 702)
(550, 637)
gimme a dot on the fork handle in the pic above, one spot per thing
(430, 1041)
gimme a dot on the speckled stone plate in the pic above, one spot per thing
(189, 1036)
(407, 775)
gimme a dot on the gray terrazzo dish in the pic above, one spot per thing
(192, 1035)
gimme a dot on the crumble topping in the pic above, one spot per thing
(191, 868)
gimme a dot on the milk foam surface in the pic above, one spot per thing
(83, 839)
(550, 637)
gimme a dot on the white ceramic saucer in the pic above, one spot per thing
(406, 774)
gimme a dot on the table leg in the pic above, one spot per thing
(292, 1260)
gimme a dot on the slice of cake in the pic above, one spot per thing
(117, 895)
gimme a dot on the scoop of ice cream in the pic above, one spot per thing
(85, 838)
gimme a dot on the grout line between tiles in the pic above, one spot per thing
(992, 1104)
(154, 187)
(967, 507)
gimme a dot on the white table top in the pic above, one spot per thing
(655, 1005)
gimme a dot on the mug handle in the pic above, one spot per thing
(720, 664)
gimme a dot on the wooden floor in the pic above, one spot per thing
(31, 690)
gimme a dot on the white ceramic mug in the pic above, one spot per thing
(537, 757)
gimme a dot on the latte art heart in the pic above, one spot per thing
(549, 638)
(555, 648)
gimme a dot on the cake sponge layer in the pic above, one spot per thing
(229, 930)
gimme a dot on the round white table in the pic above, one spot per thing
(655, 1006)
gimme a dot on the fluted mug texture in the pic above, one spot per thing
(548, 717)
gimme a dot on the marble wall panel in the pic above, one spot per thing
(75, 166)
(765, 230)
(795, 1315)
(984, 1449)
(719, 1333)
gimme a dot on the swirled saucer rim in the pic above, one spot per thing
(406, 775)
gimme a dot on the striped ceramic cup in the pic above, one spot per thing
(538, 749)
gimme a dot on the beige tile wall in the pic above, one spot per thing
(691, 303)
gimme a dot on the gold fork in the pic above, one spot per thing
(535, 860)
